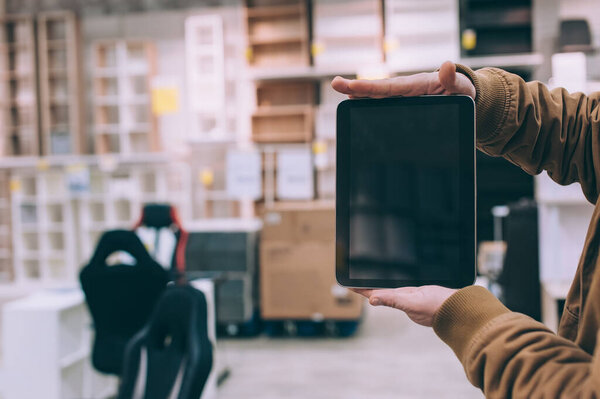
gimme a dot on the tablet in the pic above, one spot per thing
(405, 192)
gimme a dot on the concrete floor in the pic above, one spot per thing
(390, 357)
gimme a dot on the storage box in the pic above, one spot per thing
(297, 281)
(299, 222)
(285, 93)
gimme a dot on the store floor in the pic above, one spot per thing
(390, 357)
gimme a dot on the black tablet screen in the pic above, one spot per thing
(404, 187)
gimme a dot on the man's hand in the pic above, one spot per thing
(445, 81)
(419, 303)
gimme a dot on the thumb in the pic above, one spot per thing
(453, 82)
(393, 298)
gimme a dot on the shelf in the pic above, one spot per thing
(275, 11)
(502, 61)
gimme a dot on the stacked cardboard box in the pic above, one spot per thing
(297, 265)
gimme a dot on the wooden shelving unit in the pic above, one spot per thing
(122, 108)
(348, 32)
(285, 112)
(18, 82)
(59, 81)
(278, 33)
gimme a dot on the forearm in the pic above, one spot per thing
(509, 354)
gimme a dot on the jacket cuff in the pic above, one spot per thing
(492, 100)
(463, 315)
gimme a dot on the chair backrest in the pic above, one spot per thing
(159, 216)
(120, 297)
(171, 357)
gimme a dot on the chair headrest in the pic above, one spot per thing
(157, 215)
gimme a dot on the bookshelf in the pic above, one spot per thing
(18, 74)
(59, 82)
(122, 108)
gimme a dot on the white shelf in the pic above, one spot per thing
(501, 61)
(75, 357)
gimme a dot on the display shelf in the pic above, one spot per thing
(59, 82)
(122, 72)
(347, 32)
(59, 359)
(496, 28)
(284, 112)
(421, 34)
(43, 229)
(212, 81)
(277, 32)
(18, 80)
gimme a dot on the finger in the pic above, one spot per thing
(340, 84)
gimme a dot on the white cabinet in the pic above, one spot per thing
(46, 344)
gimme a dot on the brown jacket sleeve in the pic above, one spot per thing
(508, 354)
(539, 129)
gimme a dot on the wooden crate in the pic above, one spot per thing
(123, 119)
(278, 33)
(60, 84)
(18, 92)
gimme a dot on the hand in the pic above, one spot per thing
(445, 81)
(419, 303)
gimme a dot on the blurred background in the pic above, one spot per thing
(205, 131)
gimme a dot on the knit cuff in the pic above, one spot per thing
(492, 100)
(462, 316)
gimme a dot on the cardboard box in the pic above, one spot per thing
(299, 222)
(297, 281)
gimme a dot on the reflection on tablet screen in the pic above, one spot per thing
(404, 221)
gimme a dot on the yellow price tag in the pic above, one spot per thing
(469, 39)
(165, 100)
(249, 54)
(15, 186)
(207, 177)
(319, 147)
(317, 49)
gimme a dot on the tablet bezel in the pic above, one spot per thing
(467, 194)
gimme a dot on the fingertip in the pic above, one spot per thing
(340, 84)
(375, 301)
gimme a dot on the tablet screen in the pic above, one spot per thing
(410, 197)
